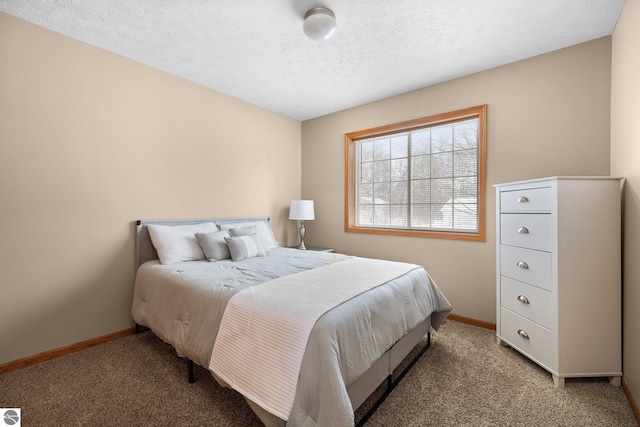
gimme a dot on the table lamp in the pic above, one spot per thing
(302, 210)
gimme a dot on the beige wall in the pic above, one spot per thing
(89, 143)
(547, 115)
(625, 161)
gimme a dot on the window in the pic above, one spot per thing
(424, 177)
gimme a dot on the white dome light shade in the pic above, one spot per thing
(319, 23)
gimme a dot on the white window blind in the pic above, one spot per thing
(423, 179)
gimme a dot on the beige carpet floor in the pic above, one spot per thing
(464, 379)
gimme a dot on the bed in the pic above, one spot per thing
(351, 347)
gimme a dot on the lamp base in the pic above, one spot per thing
(302, 233)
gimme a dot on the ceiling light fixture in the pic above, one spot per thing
(319, 23)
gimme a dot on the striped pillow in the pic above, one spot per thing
(244, 247)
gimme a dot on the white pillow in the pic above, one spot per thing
(177, 243)
(264, 231)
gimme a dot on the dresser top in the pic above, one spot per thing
(558, 178)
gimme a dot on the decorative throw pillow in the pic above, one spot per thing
(264, 231)
(251, 230)
(244, 231)
(177, 243)
(244, 247)
(213, 245)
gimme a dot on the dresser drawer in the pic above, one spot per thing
(527, 301)
(526, 200)
(526, 265)
(532, 231)
(528, 337)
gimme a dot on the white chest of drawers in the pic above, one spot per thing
(559, 274)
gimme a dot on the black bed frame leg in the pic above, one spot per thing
(190, 371)
(139, 328)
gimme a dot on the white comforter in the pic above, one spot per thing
(183, 305)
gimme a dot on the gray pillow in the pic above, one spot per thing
(251, 230)
(264, 231)
(213, 245)
(243, 231)
(244, 247)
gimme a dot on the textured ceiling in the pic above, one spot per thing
(255, 50)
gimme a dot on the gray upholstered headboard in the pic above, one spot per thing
(144, 248)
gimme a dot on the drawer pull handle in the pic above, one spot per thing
(523, 199)
(523, 230)
(523, 264)
(523, 334)
(523, 299)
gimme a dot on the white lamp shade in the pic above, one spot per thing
(319, 24)
(302, 209)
